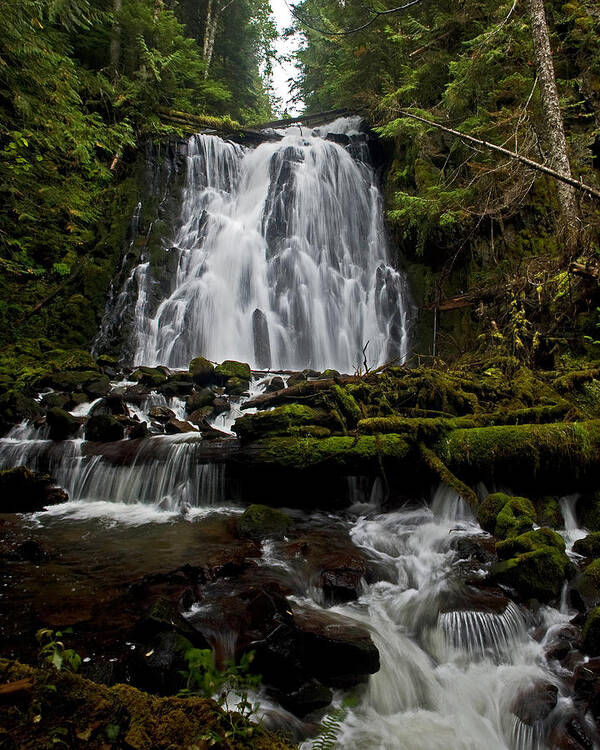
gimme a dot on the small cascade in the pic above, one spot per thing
(278, 258)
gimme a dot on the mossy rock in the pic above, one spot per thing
(535, 564)
(310, 430)
(232, 369)
(589, 546)
(588, 511)
(62, 424)
(15, 407)
(236, 386)
(548, 513)
(259, 522)
(278, 421)
(104, 428)
(591, 633)
(488, 510)
(72, 359)
(25, 491)
(516, 517)
(199, 399)
(587, 584)
(150, 376)
(202, 370)
(76, 380)
(347, 405)
(296, 378)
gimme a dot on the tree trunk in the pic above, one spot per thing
(115, 42)
(557, 143)
(208, 29)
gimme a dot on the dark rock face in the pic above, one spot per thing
(25, 491)
(111, 405)
(104, 428)
(161, 413)
(62, 424)
(535, 703)
(262, 344)
(178, 426)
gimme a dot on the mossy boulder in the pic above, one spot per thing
(587, 584)
(232, 369)
(62, 424)
(236, 386)
(548, 513)
(591, 633)
(199, 399)
(150, 376)
(279, 421)
(506, 516)
(202, 370)
(15, 407)
(588, 511)
(534, 563)
(259, 522)
(26, 491)
(589, 546)
(104, 428)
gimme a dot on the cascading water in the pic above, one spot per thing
(281, 261)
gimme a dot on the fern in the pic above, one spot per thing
(330, 729)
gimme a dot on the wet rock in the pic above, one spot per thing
(104, 428)
(340, 138)
(295, 378)
(562, 642)
(506, 516)
(202, 371)
(591, 632)
(262, 344)
(275, 384)
(231, 369)
(62, 424)
(236, 386)
(220, 405)
(535, 702)
(149, 376)
(111, 405)
(15, 408)
(571, 734)
(259, 522)
(586, 586)
(479, 548)
(157, 667)
(309, 697)
(176, 388)
(30, 551)
(586, 686)
(25, 491)
(333, 649)
(534, 563)
(589, 546)
(98, 386)
(138, 431)
(332, 563)
(199, 416)
(135, 394)
(161, 616)
(161, 413)
(178, 426)
(199, 399)
(55, 399)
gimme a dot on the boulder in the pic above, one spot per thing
(198, 399)
(111, 405)
(176, 388)
(310, 696)
(199, 416)
(25, 491)
(62, 424)
(275, 384)
(534, 703)
(589, 546)
(236, 386)
(149, 376)
(534, 563)
(260, 522)
(202, 371)
(220, 405)
(138, 431)
(587, 585)
(56, 400)
(15, 408)
(178, 426)
(232, 369)
(161, 413)
(506, 516)
(104, 428)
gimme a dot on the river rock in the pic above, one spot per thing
(25, 491)
(149, 376)
(161, 413)
(585, 589)
(15, 408)
(220, 405)
(198, 399)
(178, 426)
(275, 384)
(62, 424)
(589, 546)
(104, 428)
(202, 371)
(259, 522)
(176, 388)
(56, 399)
(534, 703)
(111, 405)
(232, 369)
(199, 416)
(137, 431)
(310, 696)
(586, 684)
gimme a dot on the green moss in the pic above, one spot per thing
(151, 376)
(202, 370)
(529, 542)
(516, 517)
(548, 512)
(347, 405)
(589, 546)
(278, 421)
(348, 454)
(591, 632)
(261, 522)
(232, 369)
(588, 583)
(236, 386)
(489, 509)
(588, 510)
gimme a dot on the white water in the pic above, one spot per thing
(282, 261)
(448, 679)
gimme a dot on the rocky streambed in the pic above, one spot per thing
(422, 540)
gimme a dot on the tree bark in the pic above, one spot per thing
(115, 42)
(557, 143)
(214, 11)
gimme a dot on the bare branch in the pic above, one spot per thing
(375, 15)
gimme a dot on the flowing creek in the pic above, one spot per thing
(282, 262)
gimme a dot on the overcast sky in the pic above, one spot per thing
(284, 71)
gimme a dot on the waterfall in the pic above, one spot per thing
(280, 260)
